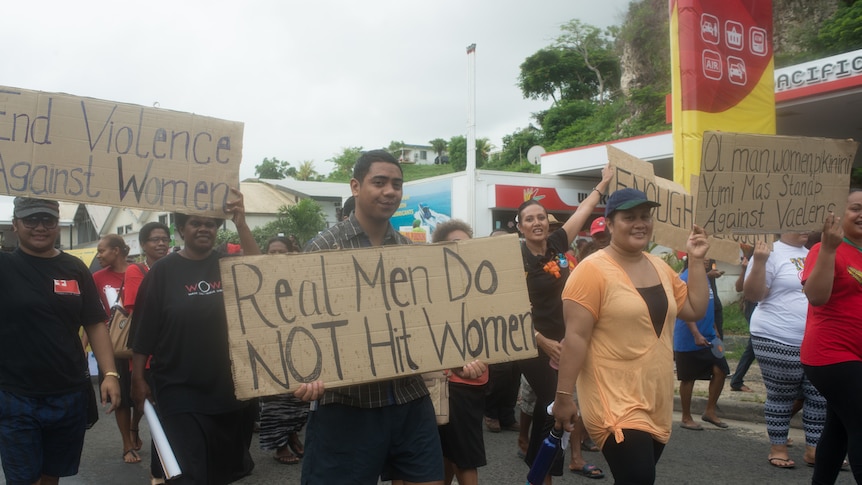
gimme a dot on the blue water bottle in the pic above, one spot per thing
(545, 457)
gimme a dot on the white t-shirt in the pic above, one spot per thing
(781, 315)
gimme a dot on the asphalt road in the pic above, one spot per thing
(736, 455)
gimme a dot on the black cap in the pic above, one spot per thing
(27, 206)
(627, 199)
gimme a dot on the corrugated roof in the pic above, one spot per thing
(312, 189)
(261, 198)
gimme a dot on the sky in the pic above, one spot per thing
(306, 78)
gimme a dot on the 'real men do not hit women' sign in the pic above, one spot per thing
(58, 146)
(348, 317)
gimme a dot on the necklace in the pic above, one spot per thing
(848, 241)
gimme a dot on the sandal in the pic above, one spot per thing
(136, 439)
(133, 456)
(778, 462)
(589, 471)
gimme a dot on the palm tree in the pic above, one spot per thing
(483, 151)
(439, 145)
(306, 171)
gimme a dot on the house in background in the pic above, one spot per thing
(417, 154)
(328, 195)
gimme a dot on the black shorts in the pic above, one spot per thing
(461, 438)
(697, 365)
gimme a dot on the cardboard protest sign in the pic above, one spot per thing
(673, 219)
(760, 184)
(355, 316)
(58, 146)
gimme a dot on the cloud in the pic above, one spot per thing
(306, 78)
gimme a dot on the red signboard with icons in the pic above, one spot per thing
(724, 49)
(722, 73)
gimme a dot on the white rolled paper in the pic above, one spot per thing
(166, 453)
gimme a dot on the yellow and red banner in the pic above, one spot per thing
(722, 69)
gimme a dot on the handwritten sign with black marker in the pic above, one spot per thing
(673, 219)
(57, 146)
(355, 316)
(759, 184)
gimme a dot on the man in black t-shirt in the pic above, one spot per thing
(46, 296)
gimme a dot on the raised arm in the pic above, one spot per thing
(697, 303)
(754, 287)
(237, 208)
(818, 286)
(577, 220)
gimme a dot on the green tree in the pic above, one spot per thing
(483, 151)
(306, 171)
(843, 31)
(458, 152)
(344, 162)
(581, 64)
(546, 74)
(439, 146)
(273, 168)
(513, 156)
(595, 48)
(304, 220)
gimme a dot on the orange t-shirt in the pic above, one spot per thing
(627, 379)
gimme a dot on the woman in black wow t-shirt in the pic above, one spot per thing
(546, 271)
(180, 320)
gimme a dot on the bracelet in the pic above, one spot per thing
(112, 374)
(536, 334)
(596, 189)
(566, 393)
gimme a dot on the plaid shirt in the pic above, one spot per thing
(350, 235)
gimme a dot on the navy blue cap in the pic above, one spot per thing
(627, 199)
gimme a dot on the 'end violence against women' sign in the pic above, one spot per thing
(59, 146)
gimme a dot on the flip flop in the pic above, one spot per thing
(781, 462)
(135, 457)
(720, 424)
(693, 427)
(589, 471)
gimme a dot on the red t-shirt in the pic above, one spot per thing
(108, 282)
(833, 332)
(134, 275)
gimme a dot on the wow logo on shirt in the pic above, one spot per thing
(204, 288)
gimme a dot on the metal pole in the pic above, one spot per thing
(471, 135)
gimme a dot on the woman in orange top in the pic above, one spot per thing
(620, 306)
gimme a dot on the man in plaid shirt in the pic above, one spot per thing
(386, 429)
